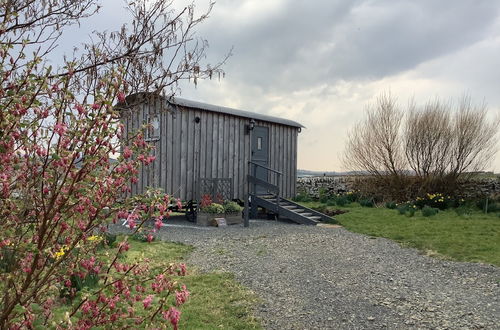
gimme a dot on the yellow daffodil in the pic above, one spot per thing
(61, 252)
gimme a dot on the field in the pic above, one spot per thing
(473, 236)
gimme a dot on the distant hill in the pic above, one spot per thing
(305, 173)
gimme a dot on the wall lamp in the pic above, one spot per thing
(250, 126)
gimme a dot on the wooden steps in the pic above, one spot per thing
(290, 210)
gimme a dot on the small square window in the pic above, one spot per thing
(259, 143)
(153, 130)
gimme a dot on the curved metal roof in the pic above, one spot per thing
(231, 111)
(140, 97)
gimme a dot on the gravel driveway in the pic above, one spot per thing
(329, 278)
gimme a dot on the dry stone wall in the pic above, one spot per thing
(339, 184)
(331, 184)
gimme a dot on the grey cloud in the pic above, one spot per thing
(323, 41)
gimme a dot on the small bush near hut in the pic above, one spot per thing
(428, 211)
(391, 205)
(213, 208)
(366, 202)
(232, 207)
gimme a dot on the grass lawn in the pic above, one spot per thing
(473, 237)
(216, 300)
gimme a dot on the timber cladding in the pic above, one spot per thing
(194, 140)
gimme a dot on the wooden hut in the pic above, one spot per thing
(195, 142)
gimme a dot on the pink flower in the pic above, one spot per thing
(96, 106)
(127, 153)
(121, 97)
(60, 128)
(150, 237)
(158, 223)
(173, 315)
(182, 270)
(181, 296)
(123, 246)
(147, 301)
(81, 110)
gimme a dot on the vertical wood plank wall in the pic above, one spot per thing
(216, 147)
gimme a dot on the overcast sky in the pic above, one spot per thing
(320, 62)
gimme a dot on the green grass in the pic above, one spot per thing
(473, 237)
(216, 299)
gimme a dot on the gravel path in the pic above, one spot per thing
(329, 278)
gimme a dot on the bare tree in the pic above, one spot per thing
(428, 139)
(474, 139)
(374, 145)
(437, 146)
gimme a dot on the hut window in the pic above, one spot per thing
(259, 143)
(153, 127)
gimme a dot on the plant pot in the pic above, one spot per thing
(207, 219)
(233, 218)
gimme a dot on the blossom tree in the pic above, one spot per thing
(58, 189)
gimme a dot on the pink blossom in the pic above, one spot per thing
(60, 128)
(147, 301)
(121, 97)
(173, 315)
(127, 153)
(181, 296)
(158, 223)
(123, 246)
(81, 110)
(86, 307)
(150, 237)
(182, 271)
(96, 106)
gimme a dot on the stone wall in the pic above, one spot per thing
(341, 184)
(331, 184)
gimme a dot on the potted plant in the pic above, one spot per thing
(208, 211)
(232, 213)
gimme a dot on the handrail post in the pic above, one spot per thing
(278, 194)
(246, 220)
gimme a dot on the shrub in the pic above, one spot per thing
(428, 211)
(324, 196)
(352, 196)
(402, 208)
(391, 205)
(436, 200)
(213, 208)
(464, 210)
(232, 207)
(411, 211)
(303, 197)
(341, 200)
(59, 126)
(331, 202)
(488, 205)
(367, 202)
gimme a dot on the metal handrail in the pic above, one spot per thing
(256, 183)
(267, 168)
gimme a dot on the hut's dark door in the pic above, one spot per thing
(260, 153)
